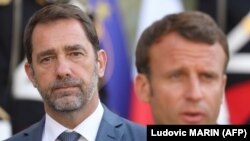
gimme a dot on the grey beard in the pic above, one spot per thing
(81, 97)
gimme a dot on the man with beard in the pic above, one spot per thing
(64, 64)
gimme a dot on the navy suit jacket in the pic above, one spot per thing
(112, 128)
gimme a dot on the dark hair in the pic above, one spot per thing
(55, 12)
(192, 25)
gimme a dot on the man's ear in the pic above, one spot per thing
(142, 87)
(30, 73)
(102, 61)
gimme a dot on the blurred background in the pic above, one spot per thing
(119, 23)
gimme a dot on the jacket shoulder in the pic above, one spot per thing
(122, 128)
(33, 132)
(135, 131)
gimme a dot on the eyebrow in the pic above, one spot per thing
(45, 53)
(183, 70)
(75, 47)
(66, 48)
(178, 70)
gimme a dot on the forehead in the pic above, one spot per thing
(175, 50)
(58, 33)
(64, 26)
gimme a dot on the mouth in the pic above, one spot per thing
(192, 117)
(65, 93)
(65, 88)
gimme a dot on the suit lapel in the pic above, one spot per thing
(34, 133)
(110, 127)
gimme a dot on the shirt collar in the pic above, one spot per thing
(53, 129)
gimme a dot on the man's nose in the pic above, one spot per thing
(194, 89)
(63, 67)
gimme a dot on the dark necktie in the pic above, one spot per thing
(69, 136)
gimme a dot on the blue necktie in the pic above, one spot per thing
(69, 136)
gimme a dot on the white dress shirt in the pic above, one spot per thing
(87, 128)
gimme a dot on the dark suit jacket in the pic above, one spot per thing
(112, 128)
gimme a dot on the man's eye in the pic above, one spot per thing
(76, 54)
(175, 76)
(46, 60)
(207, 76)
